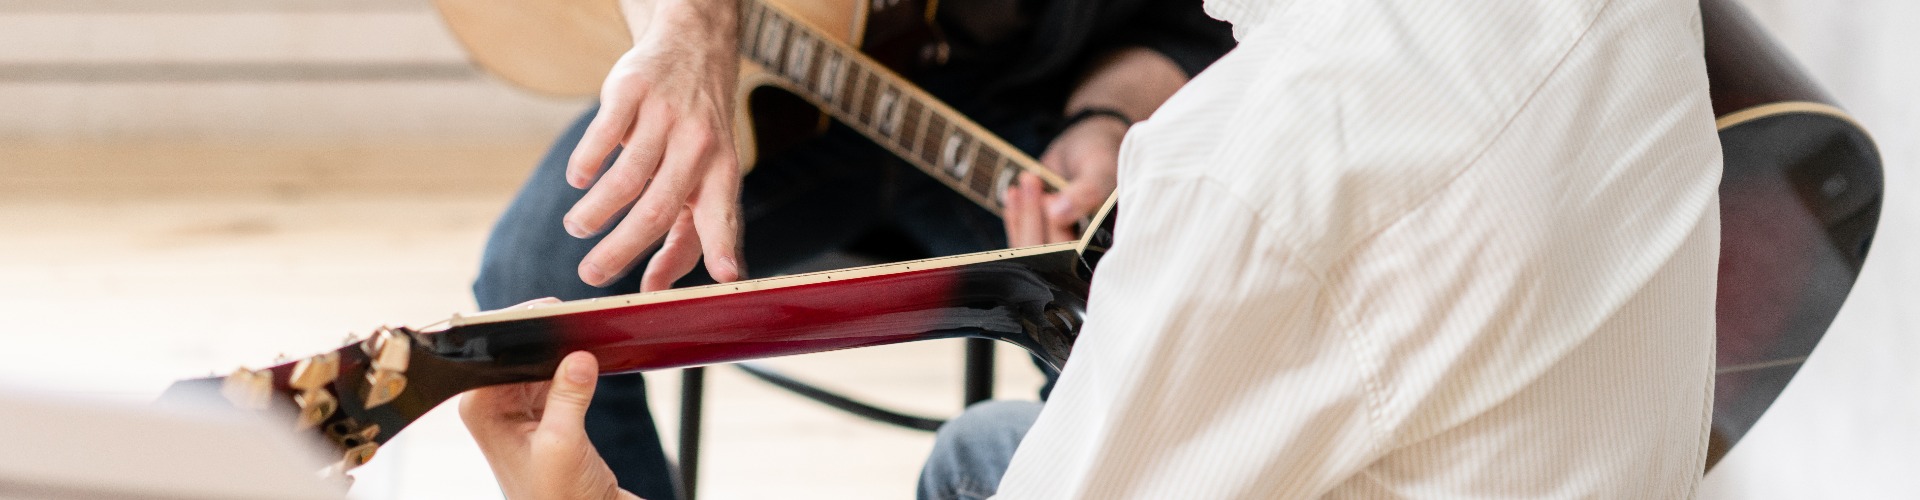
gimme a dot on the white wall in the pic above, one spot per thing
(1849, 425)
(250, 70)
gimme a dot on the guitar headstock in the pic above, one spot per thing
(355, 397)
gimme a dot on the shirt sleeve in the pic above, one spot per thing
(1209, 367)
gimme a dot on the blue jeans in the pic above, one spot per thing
(797, 205)
(972, 451)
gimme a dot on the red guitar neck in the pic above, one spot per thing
(1035, 301)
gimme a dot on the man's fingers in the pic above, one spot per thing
(1035, 227)
(658, 209)
(572, 390)
(487, 408)
(492, 413)
(1057, 229)
(1053, 159)
(1078, 200)
(1068, 207)
(618, 253)
(623, 183)
(1026, 222)
(716, 213)
(610, 124)
(676, 257)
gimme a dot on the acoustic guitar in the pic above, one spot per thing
(1800, 202)
(802, 62)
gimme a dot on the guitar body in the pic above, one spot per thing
(564, 48)
(770, 112)
(803, 63)
(584, 38)
(1799, 204)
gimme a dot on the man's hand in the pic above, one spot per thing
(669, 104)
(1133, 81)
(1087, 154)
(534, 435)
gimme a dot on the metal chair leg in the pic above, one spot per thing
(693, 383)
(979, 371)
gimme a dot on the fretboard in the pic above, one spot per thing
(893, 112)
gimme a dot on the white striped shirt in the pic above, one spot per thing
(1406, 248)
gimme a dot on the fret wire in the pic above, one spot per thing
(956, 156)
(751, 11)
(872, 100)
(886, 113)
(833, 77)
(773, 37)
(871, 117)
(980, 179)
(816, 70)
(799, 55)
(856, 77)
(864, 115)
(912, 118)
(877, 117)
(930, 140)
(1003, 179)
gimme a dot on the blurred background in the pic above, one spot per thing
(192, 185)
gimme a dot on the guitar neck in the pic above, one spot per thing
(363, 394)
(893, 112)
(1033, 297)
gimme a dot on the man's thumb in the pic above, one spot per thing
(570, 393)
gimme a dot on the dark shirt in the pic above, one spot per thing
(1024, 56)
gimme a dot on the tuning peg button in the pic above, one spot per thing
(384, 386)
(315, 372)
(248, 389)
(359, 456)
(389, 349)
(315, 406)
(388, 353)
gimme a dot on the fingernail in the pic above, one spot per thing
(577, 370)
(591, 273)
(574, 229)
(734, 264)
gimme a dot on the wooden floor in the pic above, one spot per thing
(126, 266)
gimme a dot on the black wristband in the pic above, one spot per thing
(1088, 113)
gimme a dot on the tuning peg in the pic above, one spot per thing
(315, 372)
(366, 434)
(388, 352)
(315, 406)
(353, 458)
(350, 339)
(311, 377)
(359, 455)
(248, 388)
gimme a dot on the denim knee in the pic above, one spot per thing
(971, 452)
